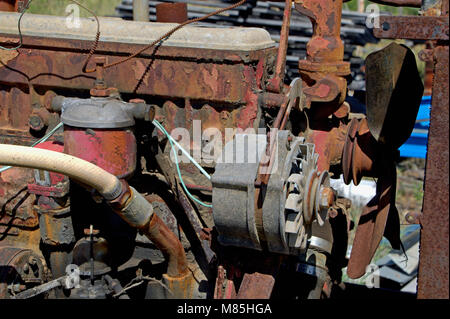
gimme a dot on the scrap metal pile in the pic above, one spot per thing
(171, 160)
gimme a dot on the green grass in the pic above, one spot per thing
(353, 5)
(58, 7)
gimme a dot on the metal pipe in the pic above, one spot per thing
(141, 11)
(276, 84)
(170, 246)
(137, 211)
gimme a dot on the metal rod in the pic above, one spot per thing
(141, 10)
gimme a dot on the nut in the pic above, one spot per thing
(327, 197)
(36, 123)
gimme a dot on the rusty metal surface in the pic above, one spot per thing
(162, 75)
(18, 265)
(433, 281)
(171, 12)
(372, 224)
(256, 286)
(424, 27)
(329, 145)
(16, 204)
(7, 5)
(224, 288)
(210, 81)
(277, 82)
(169, 245)
(323, 69)
(433, 263)
(394, 92)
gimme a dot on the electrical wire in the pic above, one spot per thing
(201, 169)
(20, 31)
(42, 140)
(163, 130)
(137, 282)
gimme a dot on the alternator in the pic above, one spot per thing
(295, 196)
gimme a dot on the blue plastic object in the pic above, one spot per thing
(416, 145)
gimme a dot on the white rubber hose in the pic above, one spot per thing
(80, 170)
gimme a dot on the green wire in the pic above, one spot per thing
(18, 26)
(162, 129)
(46, 137)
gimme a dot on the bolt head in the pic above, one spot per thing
(224, 115)
(36, 123)
(327, 197)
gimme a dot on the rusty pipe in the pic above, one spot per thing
(276, 84)
(166, 241)
(325, 45)
(137, 211)
(324, 69)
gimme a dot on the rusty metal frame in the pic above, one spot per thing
(433, 277)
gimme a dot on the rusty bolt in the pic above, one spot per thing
(413, 217)
(100, 60)
(36, 123)
(426, 55)
(332, 212)
(342, 111)
(103, 92)
(137, 101)
(47, 98)
(224, 115)
(326, 197)
(87, 232)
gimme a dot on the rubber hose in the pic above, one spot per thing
(80, 170)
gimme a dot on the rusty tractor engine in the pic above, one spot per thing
(98, 200)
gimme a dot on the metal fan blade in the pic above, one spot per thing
(394, 91)
(379, 217)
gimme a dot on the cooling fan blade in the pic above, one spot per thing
(394, 92)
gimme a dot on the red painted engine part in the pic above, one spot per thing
(49, 183)
(114, 150)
